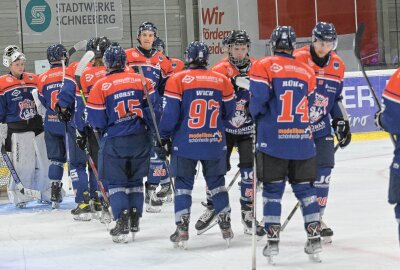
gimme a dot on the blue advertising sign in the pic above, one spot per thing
(359, 101)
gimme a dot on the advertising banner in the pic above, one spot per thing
(72, 20)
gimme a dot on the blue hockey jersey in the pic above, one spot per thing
(328, 93)
(198, 101)
(279, 87)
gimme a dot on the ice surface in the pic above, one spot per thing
(363, 222)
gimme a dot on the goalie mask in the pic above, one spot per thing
(12, 54)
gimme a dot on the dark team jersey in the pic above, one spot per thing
(88, 78)
(66, 97)
(197, 103)
(156, 68)
(390, 117)
(241, 122)
(279, 87)
(16, 100)
(117, 105)
(49, 86)
(324, 101)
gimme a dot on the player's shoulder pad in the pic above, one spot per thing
(30, 77)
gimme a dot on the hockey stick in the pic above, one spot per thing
(80, 45)
(298, 203)
(153, 117)
(26, 191)
(254, 221)
(357, 53)
(86, 58)
(215, 222)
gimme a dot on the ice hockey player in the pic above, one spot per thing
(156, 68)
(388, 120)
(85, 136)
(280, 86)
(326, 104)
(65, 109)
(197, 102)
(116, 106)
(176, 64)
(239, 129)
(21, 131)
(50, 83)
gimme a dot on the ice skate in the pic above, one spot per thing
(120, 232)
(153, 203)
(56, 196)
(247, 221)
(224, 222)
(83, 212)
(271, 249)
(95, 206)
(21, 205)
(181, 235)
(326, 233)
(105, 217)
(205, 220)
(165, 193)
(313, 245)
(134, 222)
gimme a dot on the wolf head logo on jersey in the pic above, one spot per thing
(27, 109)
(240, 114)
(318, 109)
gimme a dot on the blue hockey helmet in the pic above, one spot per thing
(325, 32)
(56, 53)
(158, 44)
(283, 38)
(147, 26)
(197, 53)
(90, 44)
(114, 57)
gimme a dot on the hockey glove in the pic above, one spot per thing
(164, 149)
(64, 114)
(81, 139)
(341, 128)
(240, 82)
(378, 122)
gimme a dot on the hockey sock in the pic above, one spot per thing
(157, 170)
(118, 199)
(183, 196)
(394, 183)
(56, 170)
(80, 182)
(272, 195)
(321, 185)
(219, 194)
(246, 188)
(136, 195)
(306, 194)
(92, 184)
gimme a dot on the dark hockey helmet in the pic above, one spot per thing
(147, 26)
(238, 37)
(283, 38)
(56, 53)
(90, 44)
(158, 44)
(325, 32)
(197, 53)
(225, 40)
(100, 46)
(114, 57)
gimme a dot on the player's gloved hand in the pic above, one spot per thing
(64, 114)
(81, 139)
(341, 128)
(241, 82)
(378, 122)
(164, 149)
(3, 134)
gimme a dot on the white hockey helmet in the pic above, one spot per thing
(11, 54)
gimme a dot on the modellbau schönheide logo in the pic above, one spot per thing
(38, 15)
